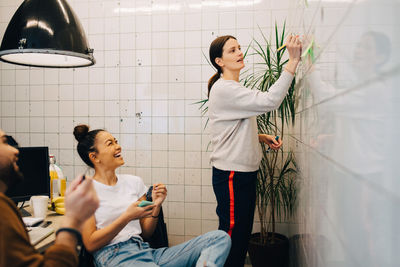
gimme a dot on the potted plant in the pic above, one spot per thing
(276, 190)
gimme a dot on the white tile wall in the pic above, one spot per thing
(150, 69)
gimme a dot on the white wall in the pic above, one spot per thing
(150, 61)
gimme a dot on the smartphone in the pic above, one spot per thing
(145, 203)
(45, 224)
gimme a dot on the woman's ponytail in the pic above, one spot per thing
(212, 80)
(216, 49)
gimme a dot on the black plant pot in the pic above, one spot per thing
(269, 255)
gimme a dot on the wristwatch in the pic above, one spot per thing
(77, 235)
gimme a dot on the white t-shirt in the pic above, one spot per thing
(114, 200)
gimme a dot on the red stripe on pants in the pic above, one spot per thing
(231, 204)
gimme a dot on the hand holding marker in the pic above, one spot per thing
(269, 148)
(283, 46)
(308, 51)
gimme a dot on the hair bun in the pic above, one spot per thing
(80, 132)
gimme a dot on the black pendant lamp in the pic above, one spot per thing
(46, 33)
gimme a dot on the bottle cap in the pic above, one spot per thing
(52, 158)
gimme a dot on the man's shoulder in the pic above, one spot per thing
(9, 213)
(6, 204)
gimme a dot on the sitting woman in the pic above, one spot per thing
(114, 234)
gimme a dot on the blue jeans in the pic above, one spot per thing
(210, 249)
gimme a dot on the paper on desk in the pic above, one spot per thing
(29, 221)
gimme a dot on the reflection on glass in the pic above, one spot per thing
(348, 212)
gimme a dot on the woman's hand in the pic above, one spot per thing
(294, 46)
(270, 141)
(159, 194)
(134, 212)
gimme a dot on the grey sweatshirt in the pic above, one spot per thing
(232, 111)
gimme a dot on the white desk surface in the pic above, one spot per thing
(56, 220)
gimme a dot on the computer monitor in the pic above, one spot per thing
(33, 162)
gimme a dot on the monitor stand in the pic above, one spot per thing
(24, 212)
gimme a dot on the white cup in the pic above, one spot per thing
(39, 206)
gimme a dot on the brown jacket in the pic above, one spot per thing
(15, 247)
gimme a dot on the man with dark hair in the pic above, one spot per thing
(15, 248)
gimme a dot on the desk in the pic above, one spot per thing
(56, 221)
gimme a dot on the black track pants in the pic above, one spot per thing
(236, 197)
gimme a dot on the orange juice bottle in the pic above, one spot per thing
(53, 179)
(63, 185)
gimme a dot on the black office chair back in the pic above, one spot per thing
(159, 239)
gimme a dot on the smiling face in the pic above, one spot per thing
(232, 57)
(108, 154)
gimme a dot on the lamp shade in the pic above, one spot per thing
(46, 33)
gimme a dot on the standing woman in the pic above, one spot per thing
(237, 151)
